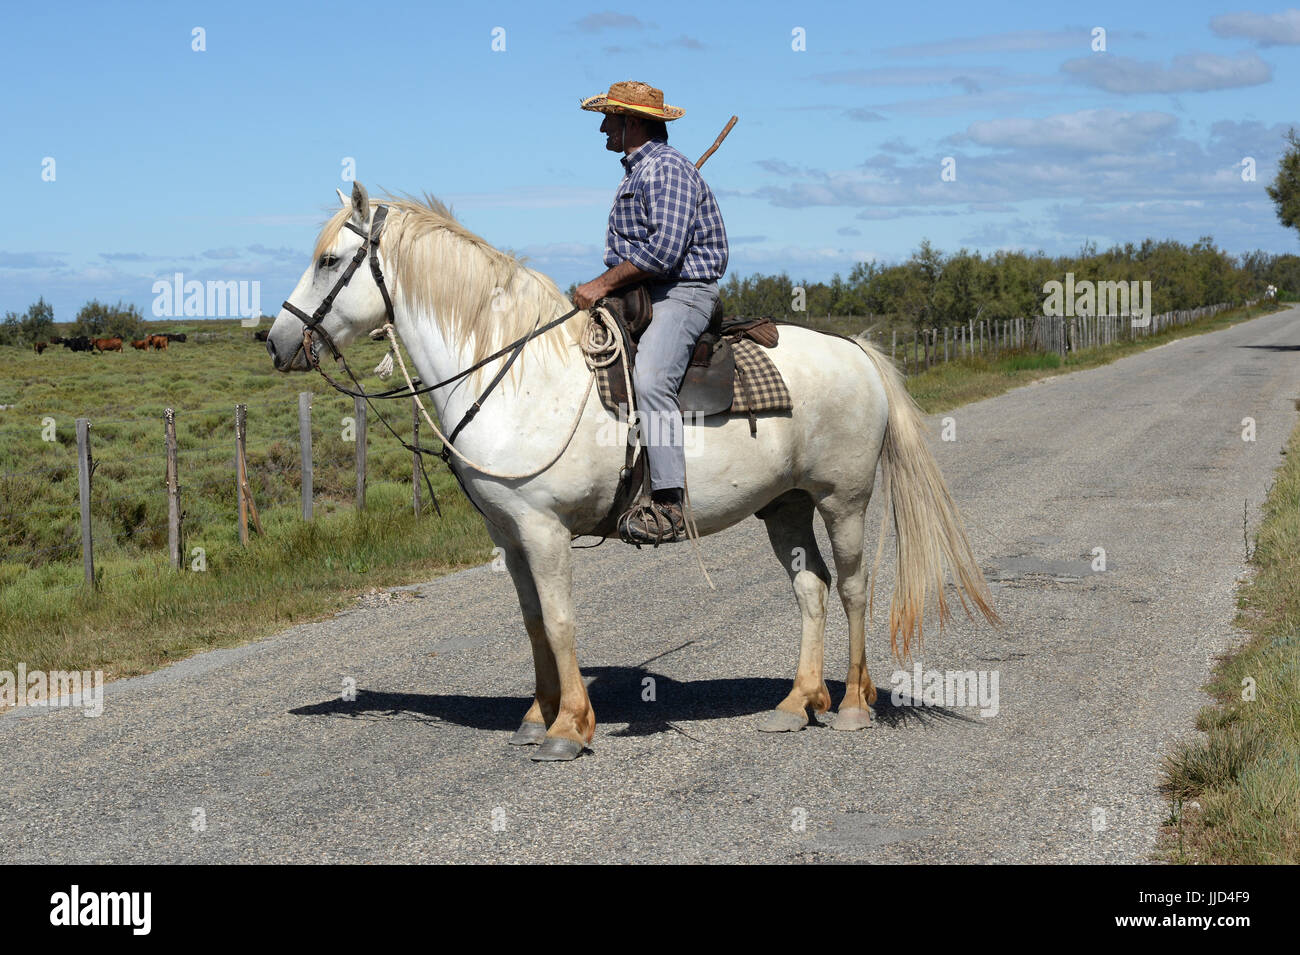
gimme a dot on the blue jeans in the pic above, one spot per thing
(681, 313)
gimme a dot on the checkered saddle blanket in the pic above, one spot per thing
(756, 386)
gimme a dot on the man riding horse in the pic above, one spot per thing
(665, 229)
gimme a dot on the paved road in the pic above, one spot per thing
(1098, 674)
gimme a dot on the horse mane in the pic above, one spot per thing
(438, 265)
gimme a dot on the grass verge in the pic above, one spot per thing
(1234, 793)
(146, 615)
(950, 384)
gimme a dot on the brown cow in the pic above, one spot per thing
(141, 345)
(107, 344)
(158, 342)
(40, 346)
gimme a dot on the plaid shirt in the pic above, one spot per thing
(665, 219)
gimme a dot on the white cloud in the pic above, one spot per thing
(1266, 29)
(1189, 72)
(1089, 130)
(1017, 41)
(972, 78)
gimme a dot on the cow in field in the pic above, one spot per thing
(176, 337)
(39, 347)
(141, 345)
(158, 342)
(261, 335)
(108, 344)
(78, 343)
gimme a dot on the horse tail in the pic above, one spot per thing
(928, 529)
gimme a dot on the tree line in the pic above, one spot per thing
(94, 320)
(931, 289)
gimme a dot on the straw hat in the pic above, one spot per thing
(631, 98)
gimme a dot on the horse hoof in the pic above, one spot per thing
(528, 734)
(851, 718)
(557, 749)
(782, 721)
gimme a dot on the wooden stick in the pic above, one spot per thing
(304, 443)
(173, 492)
(241, 411)
(717, 142)
(85, 465)
(359, 416)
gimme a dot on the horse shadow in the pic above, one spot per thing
(649, 703)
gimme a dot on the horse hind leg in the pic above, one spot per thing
(846, 528)
(790, 529)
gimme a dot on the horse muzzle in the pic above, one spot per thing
(287, 358)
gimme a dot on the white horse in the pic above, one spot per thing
(456, 299)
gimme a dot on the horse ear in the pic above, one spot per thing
(360, 204)
(343, 198)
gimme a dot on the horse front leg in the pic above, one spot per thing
(546, 546)
(546, 696)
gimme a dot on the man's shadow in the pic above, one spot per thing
(649, 703)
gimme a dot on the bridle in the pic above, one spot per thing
(369, 248)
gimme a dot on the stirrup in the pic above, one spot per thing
(649, 522)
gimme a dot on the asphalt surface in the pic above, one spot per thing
(1099, 673)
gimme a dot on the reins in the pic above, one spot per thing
(601, 345)
(312, 323)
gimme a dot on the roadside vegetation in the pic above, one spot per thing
(1234, 792)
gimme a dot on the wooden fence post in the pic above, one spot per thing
(304, 444)
(945, 343)
(241, 419)
(359, 413)
(415, 455)
(84, 467)
(173, 492)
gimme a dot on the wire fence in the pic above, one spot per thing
(97, 502)
(1043, 334)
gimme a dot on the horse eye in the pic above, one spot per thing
(328, 261)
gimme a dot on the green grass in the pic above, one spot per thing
(145, 614)
(142, 613)
(1235, 791)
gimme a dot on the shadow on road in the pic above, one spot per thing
(1272, 347)
(618, 696)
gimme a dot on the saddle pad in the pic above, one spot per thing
(759, 387)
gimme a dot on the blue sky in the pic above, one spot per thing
(220, 164)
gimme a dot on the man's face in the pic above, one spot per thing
(613, 127)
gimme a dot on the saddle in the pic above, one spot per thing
(708, 387)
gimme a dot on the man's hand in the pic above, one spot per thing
(625, 273)
(589, 293)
